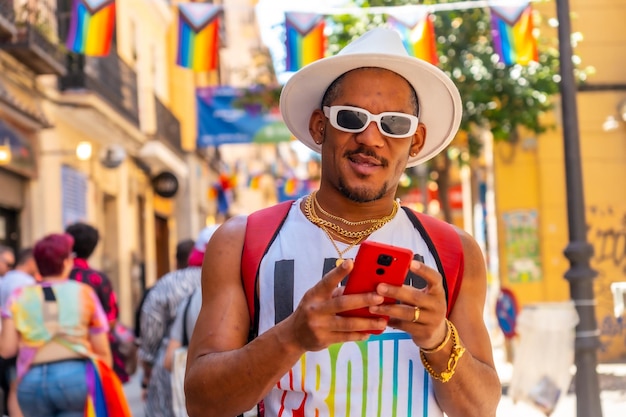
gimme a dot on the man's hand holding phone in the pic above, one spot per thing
(376, 263)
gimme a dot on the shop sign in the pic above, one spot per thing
(165, 184)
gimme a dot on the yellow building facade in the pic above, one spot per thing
(122, 107)
(530, 183)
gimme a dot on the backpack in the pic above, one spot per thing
(263, 227)
(124, 349)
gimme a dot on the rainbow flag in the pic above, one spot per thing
(305, 39)
(91, 27)
(512, 33)
(198, 36)
(105, 394)
(417, 32)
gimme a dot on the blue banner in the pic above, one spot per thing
(220, 122)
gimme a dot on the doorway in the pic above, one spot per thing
(162, 236)
(9, 228)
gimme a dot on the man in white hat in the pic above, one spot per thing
(371, 111)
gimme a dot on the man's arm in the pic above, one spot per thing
(474, 389)
(225, 376)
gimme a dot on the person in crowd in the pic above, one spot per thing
(183, 250)
(54, 327)
(24, 274)
(371, 111)
(86, 238)
(7, 259)
(157, 315)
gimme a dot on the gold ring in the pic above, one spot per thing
(416, 314)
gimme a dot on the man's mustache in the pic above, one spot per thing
(367, 152)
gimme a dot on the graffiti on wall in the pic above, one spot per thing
(522, 245)
(606, 232)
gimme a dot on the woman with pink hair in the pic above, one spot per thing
(54, 327)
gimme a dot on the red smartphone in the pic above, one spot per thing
(375, 263)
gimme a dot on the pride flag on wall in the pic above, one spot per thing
(417, 32)
(198, 36)
(91, 27)
(305, 39)
(512, 33)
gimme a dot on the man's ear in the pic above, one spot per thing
(317, 124)
(419, 139)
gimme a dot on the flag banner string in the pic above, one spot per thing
(430, 8)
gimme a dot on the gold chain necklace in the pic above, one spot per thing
(348, 222)
(309, 211)
(311, 215)
(340, 253)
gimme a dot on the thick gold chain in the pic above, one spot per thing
(348, 222)
(310, 213)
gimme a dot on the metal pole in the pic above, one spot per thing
(578, 251)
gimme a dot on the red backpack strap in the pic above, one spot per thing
(445, 244)
(261, 230)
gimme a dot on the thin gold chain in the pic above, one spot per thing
(340, 253)
(317, 205)
(309, 211)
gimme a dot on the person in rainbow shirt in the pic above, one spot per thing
(283, 342)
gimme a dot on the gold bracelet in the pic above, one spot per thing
(453, 360)
(445, 340)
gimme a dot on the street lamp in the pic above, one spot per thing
(5, 152)
(83, 150)
(578, 251)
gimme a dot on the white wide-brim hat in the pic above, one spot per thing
(439, 100)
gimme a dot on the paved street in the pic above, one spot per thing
(612, 379)
(133, 394)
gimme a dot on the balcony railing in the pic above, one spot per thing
(7, 20)
(109, 77)
(168, 126)
(34, 40)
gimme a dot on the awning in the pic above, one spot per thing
(160, 158)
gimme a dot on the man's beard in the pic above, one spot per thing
(361, 194)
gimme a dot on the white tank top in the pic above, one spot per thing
(382, 376)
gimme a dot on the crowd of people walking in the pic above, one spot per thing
(61, 329)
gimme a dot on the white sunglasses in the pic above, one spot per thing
(355, 120)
